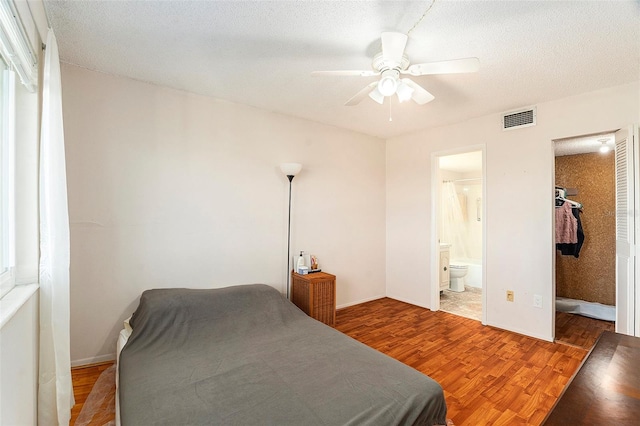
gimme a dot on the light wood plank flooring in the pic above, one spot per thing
(580, 331)
(84, 378)
(489, 376)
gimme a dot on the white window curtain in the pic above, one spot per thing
(55, 391)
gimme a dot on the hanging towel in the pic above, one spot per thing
(566, 225)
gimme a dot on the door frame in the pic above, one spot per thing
(625, 252)
(436, 197)
(633, 295)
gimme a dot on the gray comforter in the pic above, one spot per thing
(245, 355)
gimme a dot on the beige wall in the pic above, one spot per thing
(591, 276)
(171, 189)
(168, 188)
(519, 168)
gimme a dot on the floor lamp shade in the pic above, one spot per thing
(290, 170)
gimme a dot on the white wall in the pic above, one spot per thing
(519, 209)
(19, 361)
(171, 189)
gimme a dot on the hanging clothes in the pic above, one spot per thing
(566, 225)
(570, 248)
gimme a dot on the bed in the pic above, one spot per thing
(245, 355)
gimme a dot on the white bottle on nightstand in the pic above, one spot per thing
(300, 263)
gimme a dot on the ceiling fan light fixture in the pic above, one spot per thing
(377, 96)
(388, 84)
(404, 92)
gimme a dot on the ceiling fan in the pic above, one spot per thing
(391, 63)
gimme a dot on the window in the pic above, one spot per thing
(7, 161)
(16, 58)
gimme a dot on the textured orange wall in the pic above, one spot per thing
(590, 277)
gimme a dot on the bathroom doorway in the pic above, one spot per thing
(594, 277)
(459, 221)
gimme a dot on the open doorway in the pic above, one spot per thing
(460, 229)
(585, 237)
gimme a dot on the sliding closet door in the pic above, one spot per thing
(626, 201)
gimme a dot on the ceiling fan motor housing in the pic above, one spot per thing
(380, 64)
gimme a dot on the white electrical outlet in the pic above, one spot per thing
(537, 301)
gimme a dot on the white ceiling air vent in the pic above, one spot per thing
(517, 119)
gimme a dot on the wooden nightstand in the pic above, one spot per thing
(315, 294)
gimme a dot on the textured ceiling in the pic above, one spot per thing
(261, 53)
(584, 144)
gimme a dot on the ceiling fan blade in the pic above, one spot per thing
(393, 45)
(352, 73)
(454, 66)
(420, 94)
(358, 97)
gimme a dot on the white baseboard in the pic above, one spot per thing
(411, 302)
(93, 360)
(522, 332)
(360, 301)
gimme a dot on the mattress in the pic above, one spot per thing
(123, 336)
(245, 355)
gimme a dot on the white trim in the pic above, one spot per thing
(634, 309)
(15, 47)
(434, 284)
(527, 333)
(410, 302)
(368, 299)
(11, 303)
(436, 196)
(93, 360)
(7, 191)
(551, 205)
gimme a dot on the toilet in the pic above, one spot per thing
(456, 275)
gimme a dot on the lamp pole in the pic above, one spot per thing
(290, 177)
(289, 170)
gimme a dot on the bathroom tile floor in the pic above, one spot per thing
(467, 303)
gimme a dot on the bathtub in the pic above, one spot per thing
(474, 271)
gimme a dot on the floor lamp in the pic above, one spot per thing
(290, 170)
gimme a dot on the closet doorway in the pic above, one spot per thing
(592, 268)
(458, 188)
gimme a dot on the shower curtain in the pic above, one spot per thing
(454, 227)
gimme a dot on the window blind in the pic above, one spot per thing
(15, 47)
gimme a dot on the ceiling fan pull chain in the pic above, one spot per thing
(390, 119)
(421, 18)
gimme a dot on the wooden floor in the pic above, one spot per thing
(489, 376)
(580, 331)
(606, 390)
(84, 379)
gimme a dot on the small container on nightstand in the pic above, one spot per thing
(315, 294)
